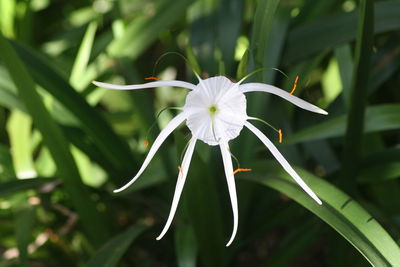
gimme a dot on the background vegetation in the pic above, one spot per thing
(65, 144)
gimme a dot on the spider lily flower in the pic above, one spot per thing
(215, 113)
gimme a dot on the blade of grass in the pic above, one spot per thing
(358, 93)
(91, 219)
(341, 212)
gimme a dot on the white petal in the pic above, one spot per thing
(260, 87)
(157, 143)
(179, 185)
(282, 161)
(230, 179)
(146, 85)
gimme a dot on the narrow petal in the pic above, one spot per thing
(283, 161)
(157, 143)
(260, 87)
(179, 185)
(230, 179)
(146, 85)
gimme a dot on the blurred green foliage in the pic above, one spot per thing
(66, 144)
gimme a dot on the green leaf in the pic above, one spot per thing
(358, 92)
(261, 30)
(7, 17)
(379, 173)
(243, 65)
(56, 143)
(185, 246)
(380, 166)
(338, 210)
(24, 221)
(377, 118)
(110, 253)
(145, 29)
(82, 58)
(19, 131)
(329, 31)
(15, 186)
(194, 64)
(113, 147)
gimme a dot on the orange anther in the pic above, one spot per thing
(146, 143)
(294, 85)
(280, 136)
(180, 170)
(241, 170)
(152, 78)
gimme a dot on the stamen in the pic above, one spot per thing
(241, 170)
(177, 54)
(146, 143)
(152, 78)
(266, 123)
(280, 136)
(260, 69)
(180, 170)
(294, 85)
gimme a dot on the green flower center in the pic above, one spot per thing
(212, 109)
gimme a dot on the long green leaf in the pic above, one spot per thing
(53, 138)
(358, 93)
(377, 118)
(24, 221)
(15, 186)
(142, 31)
(82, 58)
(113, 147)
(185, 246)
(110, 253)
(327, 32)
(19, 132)
(339, 210)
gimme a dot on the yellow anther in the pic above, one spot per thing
(280, 136)
(294, 85)
(146, 143)
(241, 170)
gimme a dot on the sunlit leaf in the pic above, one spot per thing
(339, 210)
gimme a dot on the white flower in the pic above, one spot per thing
(215, 113)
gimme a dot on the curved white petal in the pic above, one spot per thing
(146, 85)
(157, 143)
(260, 87)
(230, 179)
(179, 185)
(282, 161)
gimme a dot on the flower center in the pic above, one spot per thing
(213, 110)
(217, 110)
